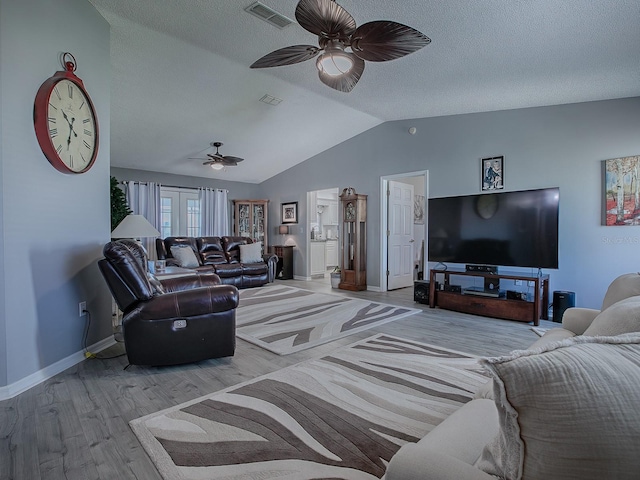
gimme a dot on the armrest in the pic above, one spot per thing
(189, 303)
(577, 319)
(271, 259)
(418, 464)
(206, 279)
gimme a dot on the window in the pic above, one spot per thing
(180, 211)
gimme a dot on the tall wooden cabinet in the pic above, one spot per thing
(250, 220)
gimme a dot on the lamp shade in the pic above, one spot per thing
(284, 229)
(134, 226)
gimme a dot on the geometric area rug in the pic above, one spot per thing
(343, 415)
(285, 319)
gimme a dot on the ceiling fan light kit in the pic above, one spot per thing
(339, 68)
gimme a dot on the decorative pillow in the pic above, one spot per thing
(185, 256)
(568, 410)
(625, 286)
(621, 317)
(251, 253)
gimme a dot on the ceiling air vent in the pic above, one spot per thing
(268, 15)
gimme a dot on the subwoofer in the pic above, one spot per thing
(421, 291)
(562, 301)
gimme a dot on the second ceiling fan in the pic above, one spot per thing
(344, 47)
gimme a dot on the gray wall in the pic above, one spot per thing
(53, 225)
(561, 145)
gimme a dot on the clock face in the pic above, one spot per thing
(71, 126)
(350, 212)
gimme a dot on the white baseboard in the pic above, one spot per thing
(372, 288)
(46, 373)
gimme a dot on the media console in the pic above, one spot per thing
(490, 304)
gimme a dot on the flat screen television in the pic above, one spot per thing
(518, 229)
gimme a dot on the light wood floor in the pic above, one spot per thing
(75, 425)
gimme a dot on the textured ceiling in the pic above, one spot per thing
(181, 76)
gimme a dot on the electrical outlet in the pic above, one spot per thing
(518, 282)
(82, 306)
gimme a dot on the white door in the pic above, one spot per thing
(401, 242)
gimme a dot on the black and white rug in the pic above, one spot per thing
(284, 319)
(340, 416)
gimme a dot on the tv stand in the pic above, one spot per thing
(491, 306)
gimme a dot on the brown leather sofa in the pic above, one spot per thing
(173, 321)
(221, 255)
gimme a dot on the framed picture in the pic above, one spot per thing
(492, 173)
(289, 212)
(418, 209)
(621, 191)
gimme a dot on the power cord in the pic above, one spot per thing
(87, 353)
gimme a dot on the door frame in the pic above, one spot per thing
(384, 220)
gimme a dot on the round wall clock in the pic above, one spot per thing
(65, 121)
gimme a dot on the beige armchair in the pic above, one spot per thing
(453, 449)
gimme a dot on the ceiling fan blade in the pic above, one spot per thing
(216, 157)
(385, 40)
(287, 56)
(344, 82)
(325, 18)
(232, 160)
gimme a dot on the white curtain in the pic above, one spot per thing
(214, 212)
(144, 199)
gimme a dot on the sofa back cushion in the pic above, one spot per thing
(567, 410)
(621, 317)
(625, 286)
(177, 241)
(231, 247)
(211, 251)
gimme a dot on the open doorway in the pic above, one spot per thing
(404, 228)
(324, 233)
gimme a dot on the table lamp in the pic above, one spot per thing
(136, 227)
(284, 230)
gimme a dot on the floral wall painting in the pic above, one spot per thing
(289, 212)
(418, 209)
(622, 191)
(492, 173)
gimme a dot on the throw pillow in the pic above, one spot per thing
(251, 253)
(185, 256)
(568, 410)
(621, 317)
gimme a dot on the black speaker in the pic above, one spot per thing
(562, 301)
(421, 291)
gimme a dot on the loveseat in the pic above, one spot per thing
(567, 407)
(237, 261)
(173, 321)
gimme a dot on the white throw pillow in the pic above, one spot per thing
(568, 410)
(185, 256)
(251, 253)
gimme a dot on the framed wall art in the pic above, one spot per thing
(622, 191)
(418, 209)
(492, 173)
(289, 212)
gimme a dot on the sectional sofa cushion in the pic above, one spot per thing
(567, 410)
(621, 317)
(185, 256)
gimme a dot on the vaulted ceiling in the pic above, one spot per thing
(181, 76)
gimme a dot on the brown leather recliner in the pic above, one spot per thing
(177, 320)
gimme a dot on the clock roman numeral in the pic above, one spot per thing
(57, 93)
(84, 160)
(71, 161)
(53, 132)
(53, 106)
(70, 90)
(82, 105)
(87, 132)
(59, 149)
(51, 119)
(86, 144)
(86, 120)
